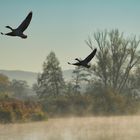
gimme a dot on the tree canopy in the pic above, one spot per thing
(50, 81)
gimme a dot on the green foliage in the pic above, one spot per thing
(109, 102)
(20, 88)
(79, 76)
(38, 116)
(80, 105)
(50, 82)
(58, 105)
(68, 105)
(69, 90)
(15, 88)
(6, 116)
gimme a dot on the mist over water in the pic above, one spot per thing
(87, 128)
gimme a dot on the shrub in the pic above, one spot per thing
(6, 116)
(18, 111)
(38, 116)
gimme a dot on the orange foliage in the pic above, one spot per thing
(15, 110)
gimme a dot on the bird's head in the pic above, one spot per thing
(9, 28)
(76, 59)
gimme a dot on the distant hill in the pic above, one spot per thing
(30, 77)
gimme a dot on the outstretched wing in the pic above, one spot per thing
(10, 34)
(88, 58)
(76, 64)
(23, 26)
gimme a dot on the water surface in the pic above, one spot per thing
(87, 128)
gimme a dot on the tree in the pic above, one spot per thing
(116, 58)
(132, 85)
(137, 78)
(4, 83)
(69, 89)
(79, 75)
(20, 88)
(50, 82)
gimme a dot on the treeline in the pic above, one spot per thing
(17, 103)
(111, 85)
(14, 88)
(105, 104)
(12, 110)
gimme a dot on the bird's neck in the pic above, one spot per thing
(9, 27)
(78, 60)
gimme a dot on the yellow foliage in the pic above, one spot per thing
(17, 111)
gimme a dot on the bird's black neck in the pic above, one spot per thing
(77, 60)
(9, 27)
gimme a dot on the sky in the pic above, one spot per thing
(61, 26)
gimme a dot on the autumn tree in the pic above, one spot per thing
(4, 83)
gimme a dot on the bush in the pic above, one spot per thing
(18, 111)
(6, 116)
(64, 106)
(38, 116)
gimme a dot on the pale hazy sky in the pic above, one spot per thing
(60, 26)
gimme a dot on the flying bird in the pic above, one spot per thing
(84, 62)
(21, 28)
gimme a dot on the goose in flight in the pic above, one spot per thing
(21, 28)
(85, 62)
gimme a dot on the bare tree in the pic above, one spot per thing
(116, 57)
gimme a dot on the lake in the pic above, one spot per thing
(75, 128)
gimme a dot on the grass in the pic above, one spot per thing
(86, 128)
